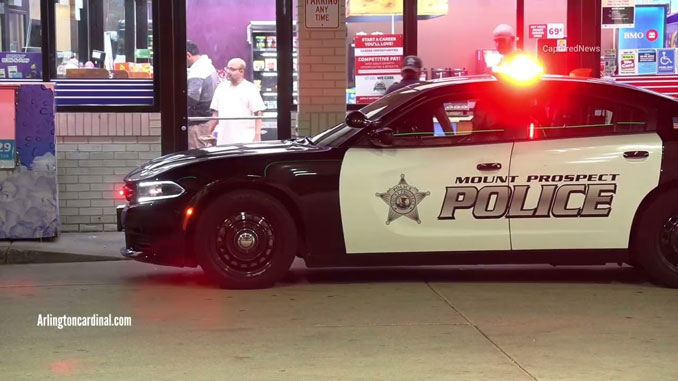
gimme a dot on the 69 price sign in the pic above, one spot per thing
(7, 154)
(555, 30)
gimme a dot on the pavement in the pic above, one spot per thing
(444, 323)
(429, 323)
(67, 247)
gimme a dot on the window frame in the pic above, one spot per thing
(48, 14)
(23, 11)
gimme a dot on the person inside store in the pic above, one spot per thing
(505, 42)
(202, 82)
(410, 72)
(236, 98)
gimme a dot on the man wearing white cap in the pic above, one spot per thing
(505, 41)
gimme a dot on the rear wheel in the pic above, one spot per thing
(656, 243)
(245, 239)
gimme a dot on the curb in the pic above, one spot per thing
(12, 256)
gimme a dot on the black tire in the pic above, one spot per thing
(656, 240)
(245, 239)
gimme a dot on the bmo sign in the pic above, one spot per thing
(648, 32)
(650, 35)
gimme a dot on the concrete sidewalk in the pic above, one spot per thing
(67, 247)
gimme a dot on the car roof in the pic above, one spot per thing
(443, 82)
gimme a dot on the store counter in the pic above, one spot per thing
(664, 84)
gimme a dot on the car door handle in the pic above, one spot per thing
(489, 166)
(636, 154)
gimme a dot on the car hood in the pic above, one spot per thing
(167, 162)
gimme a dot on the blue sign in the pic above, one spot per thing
(666, 61)
(647, 61)
(7, 153)
(20, 65)
(649, 31)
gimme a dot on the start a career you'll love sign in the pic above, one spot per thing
(378, 60)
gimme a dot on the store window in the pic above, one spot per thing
(545, 23)
(375, 31)
(20, 40)
(104, 39)
(455, 38)
(233, 54)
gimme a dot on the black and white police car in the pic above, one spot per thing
(470, 170)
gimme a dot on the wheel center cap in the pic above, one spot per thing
(246, 241)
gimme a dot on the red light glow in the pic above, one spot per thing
(127, 192)
(520, 70)
(189, 213)
(62, 367)
(531, 130)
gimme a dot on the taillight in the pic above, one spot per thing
(128, 191)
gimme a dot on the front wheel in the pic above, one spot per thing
(245, 239)
(656, 241)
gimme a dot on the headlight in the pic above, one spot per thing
(158, 190)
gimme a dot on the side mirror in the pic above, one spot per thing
(356, 119)
(381, 137)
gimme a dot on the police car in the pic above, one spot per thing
(502, 169)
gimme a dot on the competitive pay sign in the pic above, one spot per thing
(378, 59)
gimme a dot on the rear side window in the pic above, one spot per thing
(574, 113)
(587, 116)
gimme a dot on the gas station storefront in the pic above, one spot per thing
(569, 37)
(121, 83)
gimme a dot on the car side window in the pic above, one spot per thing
(469, 119)
(562, 118)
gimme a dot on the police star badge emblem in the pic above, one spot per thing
(403, 200)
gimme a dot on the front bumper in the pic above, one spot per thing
(154, 234)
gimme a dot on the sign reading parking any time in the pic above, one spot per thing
(322, 14)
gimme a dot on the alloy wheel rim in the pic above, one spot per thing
(245, 243)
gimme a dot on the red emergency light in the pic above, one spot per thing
(520, 70)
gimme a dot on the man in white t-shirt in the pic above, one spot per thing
(237, 97)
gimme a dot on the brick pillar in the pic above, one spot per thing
(322, 74)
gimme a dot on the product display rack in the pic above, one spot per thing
(261, 35)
